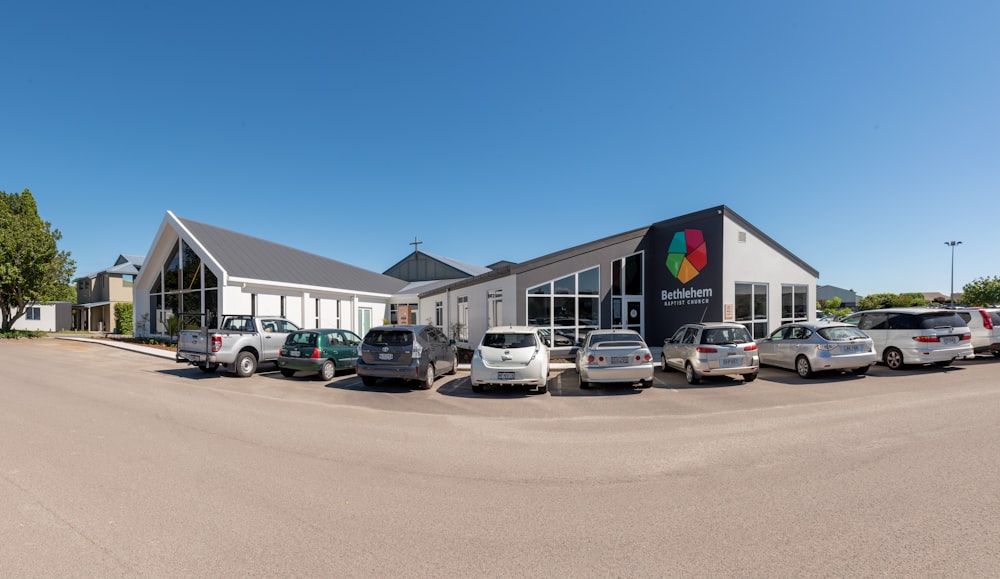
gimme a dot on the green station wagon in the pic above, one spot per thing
(322, 351)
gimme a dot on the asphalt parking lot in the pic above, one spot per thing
(123, 464)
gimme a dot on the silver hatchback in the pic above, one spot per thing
(711, 349)
(811, 347)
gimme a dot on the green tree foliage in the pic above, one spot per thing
(833, 307)
(123, 318)
(984, 291)
(32, 269)
(878, 301)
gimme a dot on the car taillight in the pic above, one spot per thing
(926, 339)
(827, 347)
(216, 343)
(987, 320)
(750, 348)
(315, 353)
(417, 350)
(966, 337)
(706, 350)
(647, 357)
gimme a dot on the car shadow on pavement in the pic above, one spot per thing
(676, 381)
(462, 388)
(353, 383)
(567, 385)
(790, 378)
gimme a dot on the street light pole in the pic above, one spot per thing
(952, 244)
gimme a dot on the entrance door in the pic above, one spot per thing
(633, 315)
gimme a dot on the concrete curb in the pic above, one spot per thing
(165, 354)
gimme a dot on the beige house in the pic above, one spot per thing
(97, 294)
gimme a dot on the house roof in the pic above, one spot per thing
(245, 256)
(126, 264)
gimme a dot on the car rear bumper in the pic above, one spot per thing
(929, 356)
(411, 372)
(533, 374)
(607, 374)
(843, 361)
(300, 364)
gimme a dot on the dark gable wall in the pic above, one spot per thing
(671, 302)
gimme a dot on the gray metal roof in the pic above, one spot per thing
(250, 257)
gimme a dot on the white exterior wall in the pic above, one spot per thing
(478, 306)
(47, 323)
(755, 261)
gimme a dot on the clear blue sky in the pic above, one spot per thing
(861, 135)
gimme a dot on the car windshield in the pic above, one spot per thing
(842, 334)
(301, 339)
(389, 338)
(509, 340)
(738, 335)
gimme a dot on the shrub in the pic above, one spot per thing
(123, 318)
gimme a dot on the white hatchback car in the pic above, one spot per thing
(915, 335)
(984, 323)
(511, 355)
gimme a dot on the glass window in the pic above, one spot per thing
(33, 313)
(128, 280)
(172, 271)
(751, 307)
(210, 279)
(590, 282)
(793, 303)
(633, 275)
(616, 277)
(540, 311)
(545, 289)
(566, 285)
(191, 269)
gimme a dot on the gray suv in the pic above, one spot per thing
(419, 353)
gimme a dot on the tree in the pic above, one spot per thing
(32, 269)
(983, 291)
(878, 301)
(123, 318)
(833, 307)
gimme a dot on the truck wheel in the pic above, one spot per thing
(327, 370)
(246, 364)
(208, 368)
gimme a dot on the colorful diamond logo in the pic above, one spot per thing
(687, 255)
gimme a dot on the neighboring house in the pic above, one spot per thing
(940, 298)
(48, 317)
(97, 294)
(198, 272)
(848, 298)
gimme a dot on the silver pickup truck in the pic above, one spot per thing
(240, 344)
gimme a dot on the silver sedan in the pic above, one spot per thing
(809, 347)
(608, 356)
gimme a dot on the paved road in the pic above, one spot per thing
(113, 463)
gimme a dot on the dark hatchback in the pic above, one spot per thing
(419, 353)
(322, 351)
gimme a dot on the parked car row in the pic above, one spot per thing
(520, 355)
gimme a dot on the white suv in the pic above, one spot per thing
(915, 335)
(985, 326)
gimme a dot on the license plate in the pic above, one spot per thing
(385, 356)
(732, 361)
(619, 359)
(850, 349)
(949, 340)
(295, 353)
(505, 375)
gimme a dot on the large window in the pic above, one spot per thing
(463, 319)
(751, 307)
(626, 293)
(794, 303)
(184, 290)
(439, 314)
(569, 306)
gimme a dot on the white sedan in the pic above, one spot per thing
(614, 356)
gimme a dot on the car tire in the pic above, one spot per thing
(663, 363)
(287, 373)
(750, 377)
(208, 368)
(803, 368)
(454, 368)
(544, 388)
(427, 382)
(327, 371)
(584, 385)
(893, 358)
(861, 371)
(477, 388)
(369, 380)
(645, 383)
(246, 364)
(690, 375)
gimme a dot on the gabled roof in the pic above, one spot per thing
(126, 264)
(468, 268)
(248, 257)
(452, 268)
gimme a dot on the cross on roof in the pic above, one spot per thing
(416, 244)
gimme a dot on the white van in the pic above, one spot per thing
(985, 326)
(915, 335)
